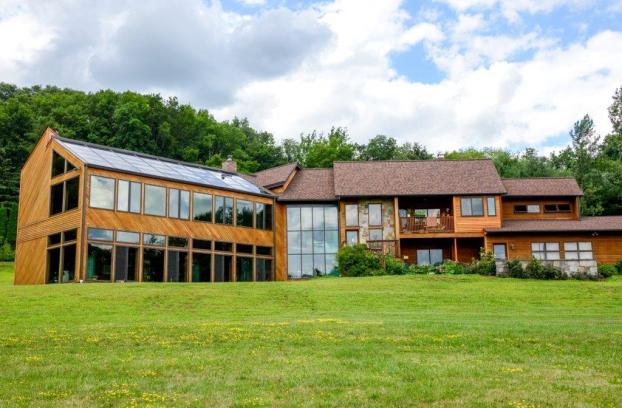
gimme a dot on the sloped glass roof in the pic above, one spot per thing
(127, 161)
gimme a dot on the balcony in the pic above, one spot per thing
(417, 224)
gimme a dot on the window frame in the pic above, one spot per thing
(492, 200)
(579, 251)
(252, 207)
(527, 206)
(65, 196)
(144, 203)
(369, 230)
(546, 251)
(557, 209)
(130, 196)
(345, 208)
(212, 202)
(369, 206)
(470, 199)
(352, 231)
(114, 192)
(505, 251)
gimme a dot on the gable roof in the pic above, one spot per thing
(275, 176)
(310, 185)
(584, 224)
(542, 186)
(416, 177)
(126, 161)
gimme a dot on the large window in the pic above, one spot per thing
(153, 265)
(243, 268)
(155, 200)
(177, 266)
(352, 215)
(201, 267)
(60, 165)
(224, 210)
(244, 213)
(578, 251)
(102, 192)
(263, 269)
(61, 260)
(128, 196)
(263, 216)
(545, 251)
(178, 203)
(312, 240)
(472, 206)
(126, 263)
(99, 262)
(375, 214)
(202, 207)
(222, 268)
(64, 196)
(429, 256)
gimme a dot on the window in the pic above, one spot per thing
(61, 257)
(527, 208)
(375, 214)
(352, 215)
(178, 242)
(177, 266)
(126, 263)
(201, 267)
(98, 234)
(153, 239)
(155, 200)
(222, 268)
(429, 256)
(263, 250)
(201, 244)
(102, 192)
(64, 196)
(557, 208)
(202, 207)
(153, 265)
(500, 251)
(244, 213)
(243, 269)
(223, 246)
(224, 210)
(128, 237)
(375, 234)
(244, 249)
(178, 203)
(545, 251)
(263, 216)
(352, 237)
(99, 262)
(54, 239)
(263, 269)
(60, 165)
(70, 235)
(578, 251)
(53, 265)
(492, 206)
(427, 212)
(472, 206)
(128, 196)
(312, 239)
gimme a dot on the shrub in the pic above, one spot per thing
(606, 270)
(394, 266)
(356, 260)
(421, 269)
(551, 272)
(6, 252)
(452, 268)
(515, 269)
(619, 267)
(485, 265)
(534, 269)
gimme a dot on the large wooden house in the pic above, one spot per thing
(91, 213)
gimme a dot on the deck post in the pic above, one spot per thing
(396, 216)
(456, 249)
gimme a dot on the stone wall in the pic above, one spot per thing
(569, 267)
(388, 219)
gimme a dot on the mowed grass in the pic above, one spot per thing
(385, 341)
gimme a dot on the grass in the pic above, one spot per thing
(400, 341)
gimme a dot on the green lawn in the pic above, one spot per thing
(412, 340)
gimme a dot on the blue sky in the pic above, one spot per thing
(446, 73)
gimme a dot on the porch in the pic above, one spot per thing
(421, 215)
(436, 250)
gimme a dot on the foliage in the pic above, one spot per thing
(515, 269)
(485, 265)
(607, 270)
(421, 269)
(356, 260)
(618, 266)
(6, 252)
(452, 268)
(534, 269)
(394, 266)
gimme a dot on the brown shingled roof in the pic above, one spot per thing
(416, 177)
(542, 186)
(310, 185)
(276, 176)
(584, 224)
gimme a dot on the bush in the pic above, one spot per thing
(452, 268)
(551, 272)
(534, 269)
(485, 265)
(619, 267)
(607, 270)
(6, 252)
(394, 266)
(356, 260)
(421, 269)
(515, 269)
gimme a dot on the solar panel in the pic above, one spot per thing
(155, 167)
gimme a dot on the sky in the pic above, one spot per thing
(448, 74)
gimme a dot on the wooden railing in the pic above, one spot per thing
(384, 247)
(419, 224)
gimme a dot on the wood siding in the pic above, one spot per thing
(280, 248)
(606, 248)
(476, 224)
(509, 203)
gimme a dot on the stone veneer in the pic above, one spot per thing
(388, 219)
(569, 267)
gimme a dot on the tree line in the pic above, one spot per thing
(165, 127)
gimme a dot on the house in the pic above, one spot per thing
(93, 213)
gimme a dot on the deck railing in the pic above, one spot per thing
(384, 247)
(422, 224)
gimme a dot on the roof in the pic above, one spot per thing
(584, 224)
(311, 185)
(417, 177)
(275, 176)
(542, 186)
(127, 161)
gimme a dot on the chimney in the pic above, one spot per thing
(230, 165)
(440, 156)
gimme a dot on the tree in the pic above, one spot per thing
(615, 111)
(326, 150)
(380, 148)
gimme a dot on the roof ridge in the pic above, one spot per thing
(279, 166)
(540, 178)
(433, 160)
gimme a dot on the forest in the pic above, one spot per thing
(165, 127)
